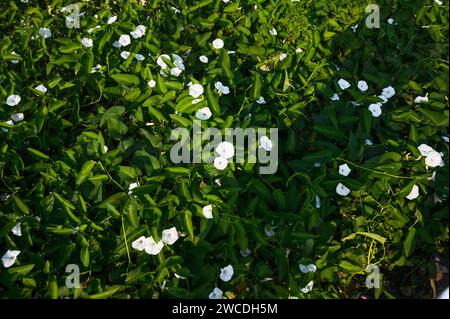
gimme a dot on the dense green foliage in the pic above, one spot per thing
(71, 195)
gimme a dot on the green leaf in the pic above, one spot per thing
(126, 80)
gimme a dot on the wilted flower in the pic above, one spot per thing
(265, 143)
(269, 230)
(342, 190)
(96, 68)
(203, 113)
(87, 43)
(282, 56)
(343, 84)
(195, 90)
(10, 122)
(308, 287)
(139, 57)
(111, 20)
(245, 252)
(218, 44)
(226, 273)
(261, 100)
(273, 31)
(138, 32)
(318, 203)
(421, 99)
(9, 258)
(45, 33)
(17, 230)
(414, 193)
(169, 236)
(207, 211)
(344, 170)
(131, 187)
(335, 97)
(13, 100)
(203, 59)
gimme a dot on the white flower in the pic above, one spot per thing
(9, 258)
(343, 84)
(93, 29)
(245, 252)
(151, 83)
(7, 122)
(344, 170)
(318, 203)
(390, 20)
(269, 230)
(216, 294)
(124, 40)
(139, 57)
(388, 92)
(125, 54)
(45, 33)
(421, 99)
(218, 44)
(445, 138)
(131, 187)
(261, 100)
(335, 97)
(273, 31)
(207, 211)
(195, 90)
(383, 98)
(13, 100)
(414, 193)
(138, 32)
(41, 88)
(139, 244)
(17, 230)
(226, 1)
(152, 247)
(87, 43)
(425, 150)
(175, 71)
(308, 287)
(298, 50)
(111, 20)
(226, 273)
(375, 109)
(265, 143)
(368, 142)
(225, 150)
(96, 68)
(17, 117)
(307, 268)
(342, 190)
(282, 56)
(203, 114)
(169, 236)
(362, 86)
(220, 163)
(203, 59)
(222, 88)
(434, 159)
